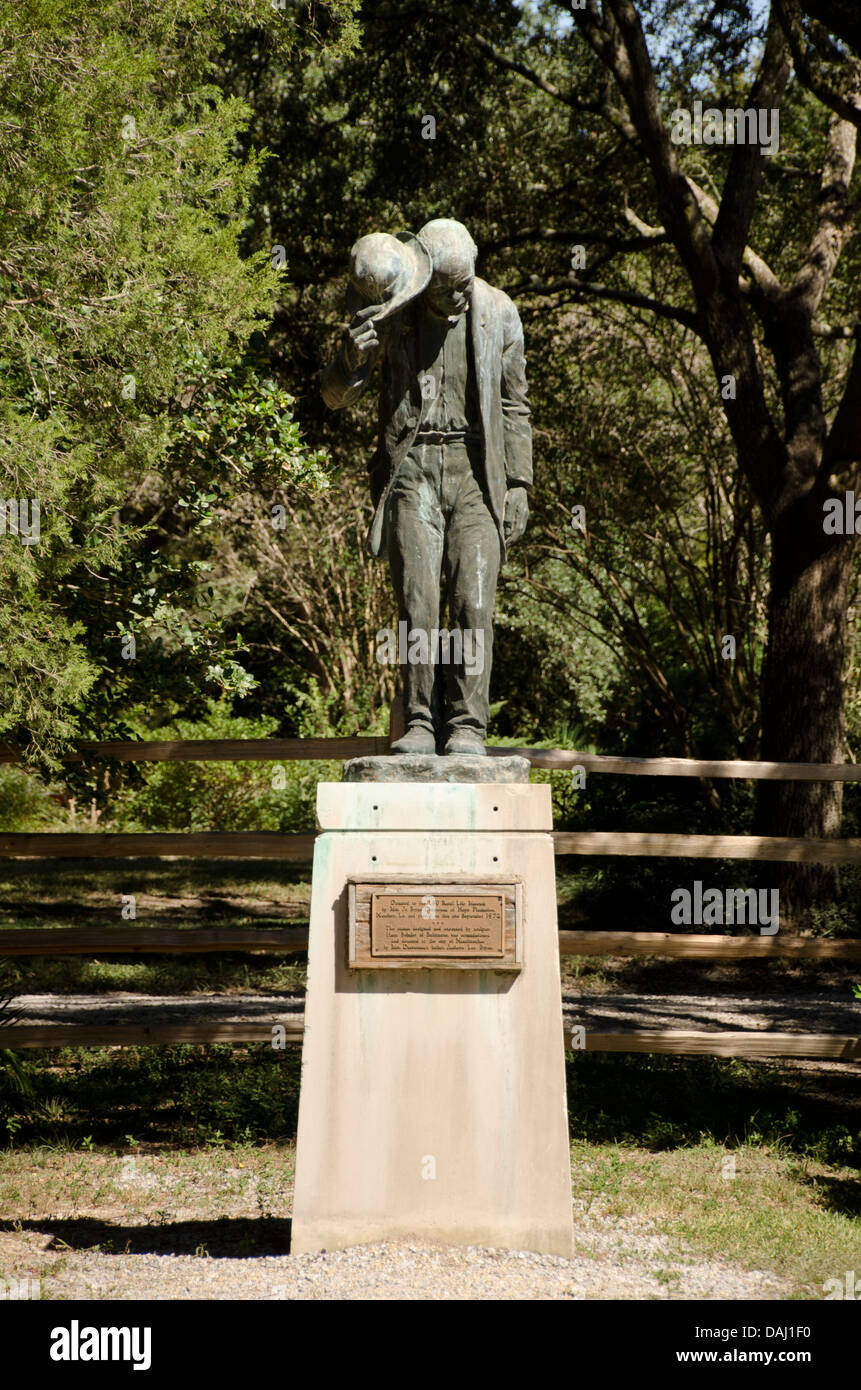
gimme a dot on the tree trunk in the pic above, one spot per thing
(803, 695)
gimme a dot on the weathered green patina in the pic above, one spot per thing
(453, 463)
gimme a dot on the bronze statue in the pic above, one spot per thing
(452, 465)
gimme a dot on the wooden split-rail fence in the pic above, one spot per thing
(751, 1043)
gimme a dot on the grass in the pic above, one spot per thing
(775, 1214)
(224, 973)
(666, 1103)
(179, 894)
(216, 1201)
(190, 1095)
(167, 1097)
(178, 1147)
(125, 1147)
(76, 884)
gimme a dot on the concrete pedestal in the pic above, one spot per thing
(433, 1101)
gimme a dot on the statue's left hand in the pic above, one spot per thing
(516, 515)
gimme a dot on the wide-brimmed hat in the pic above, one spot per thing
(388, 270)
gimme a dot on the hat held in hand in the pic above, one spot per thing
(387, 270)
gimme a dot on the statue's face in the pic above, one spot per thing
(450, 290)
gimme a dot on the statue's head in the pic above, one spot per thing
(452, 252)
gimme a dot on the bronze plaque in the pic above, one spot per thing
(438, 924)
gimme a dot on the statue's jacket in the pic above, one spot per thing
(500, 376)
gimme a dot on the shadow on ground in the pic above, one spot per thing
(841, 1195)
(668, 1102)
(226, 1238)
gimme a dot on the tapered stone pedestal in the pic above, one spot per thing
(433, 1099)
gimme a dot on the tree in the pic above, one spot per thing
(124, 196)
(645, 537)
(537, 148)
(791, 399)
(312, 599)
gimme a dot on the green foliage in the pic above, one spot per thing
(14, 1073)
(237, 422)
(24, 801)
(123, 195)
(613, 632)
(188, 1095)
(143, 249)
(220, 795)
(669, 1102)
(182, 1094)
(838, 919)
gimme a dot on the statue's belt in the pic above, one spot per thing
(447, 436)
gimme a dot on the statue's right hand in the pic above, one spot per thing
(362, 330)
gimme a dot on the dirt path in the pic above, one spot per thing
(616, 1012)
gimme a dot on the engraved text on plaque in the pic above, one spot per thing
(408, 922)
(431, 924)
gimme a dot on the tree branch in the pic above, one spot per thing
(761, 273)
(553, 234)
(596, 108)
(618, 40)
(843, 447)
(638, 301)
(834, 221)
(848, 108)
(514, 65)
(617, 37)
(745, 170)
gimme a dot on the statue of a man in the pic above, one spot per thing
(453, 462)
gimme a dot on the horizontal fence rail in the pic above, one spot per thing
(141, 940)
(22, 1035)
(204, 844)
(335, 749)
(651, 844)
(84, 941)
(270, 844)
(222, 750)
(299, 849)
(674, 1041)
(680, 1042)
(560, 759)
(705, 946)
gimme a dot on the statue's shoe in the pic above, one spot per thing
(463, 742)
(415, 741)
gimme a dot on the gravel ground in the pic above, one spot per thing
(616, 1259)
(783, 1013)
(617, 1012)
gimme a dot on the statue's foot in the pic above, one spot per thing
(416, 740)
(462, 741)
